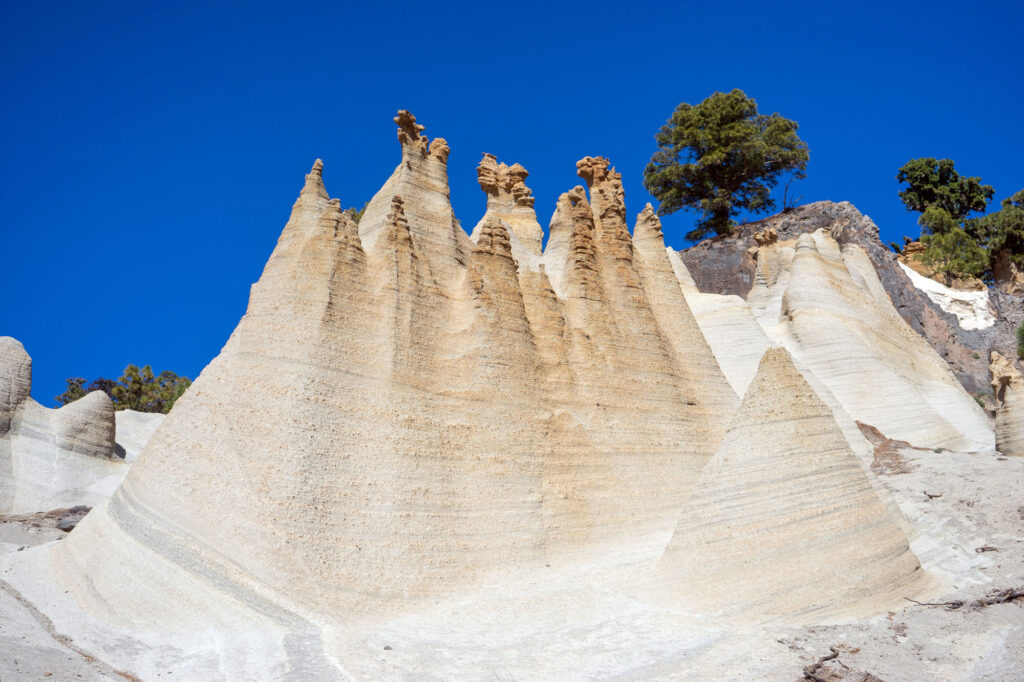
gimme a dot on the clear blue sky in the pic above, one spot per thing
(151, 154)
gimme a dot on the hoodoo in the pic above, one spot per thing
(403, 411)
(413, 429)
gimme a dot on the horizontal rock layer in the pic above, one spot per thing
(55, 458)
(783, 520)
(404, 411)
(409, 421)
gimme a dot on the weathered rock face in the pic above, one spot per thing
(403, 411)
(1008, 275)
(1008, 386)
(411, 426)
(753, 508)
(725, 265)
(510, 201)
(827, 306)
(53, 458)
(970, 306)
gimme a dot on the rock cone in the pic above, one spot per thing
(784, 520)
(403, 411)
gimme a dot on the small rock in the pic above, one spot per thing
(68, 522)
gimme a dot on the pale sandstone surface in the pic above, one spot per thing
(1008, 386)
(54, 458)
(398, 416)
(134, 429)
(783, 487)
(726, 265)
(826, 306)
(418, 457)
(564, 624)
(823, 304)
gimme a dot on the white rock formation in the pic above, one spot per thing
(1008, 385)
(783, 520)
(399, 415)
(134, 429)
(827, 308)
(971, 308)
(51, 459)
(413, 436)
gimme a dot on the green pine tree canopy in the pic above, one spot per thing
(136, 389)
(721, 157)
(955, 244)
(936, 183)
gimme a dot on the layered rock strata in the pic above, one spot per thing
(1008, 386)
(52, 458)
(726, 265)
(826, 305)
(404, 411)
(783, 520)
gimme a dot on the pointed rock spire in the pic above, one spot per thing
(556, 252)
(421, 179)
(493, 239)
(581, 269)
(648, 226)
(408, 129)
(783, 520)
(510, 200)
(314, 186)
(606, 193)
(608, 202)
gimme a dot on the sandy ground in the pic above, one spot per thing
(966, 516)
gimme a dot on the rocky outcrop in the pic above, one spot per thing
(1008, 386)
(827, 306)
(404, 412)
(412, 427)
(510, 201)
(726, 265)
(970, 306)
(784, 486)
(1009, 276)
(55, 458)
(15, 380)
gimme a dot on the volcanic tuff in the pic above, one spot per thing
(725, 265)
(412, 426)
(64, 457)
(1008, 386)
(751, 507)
